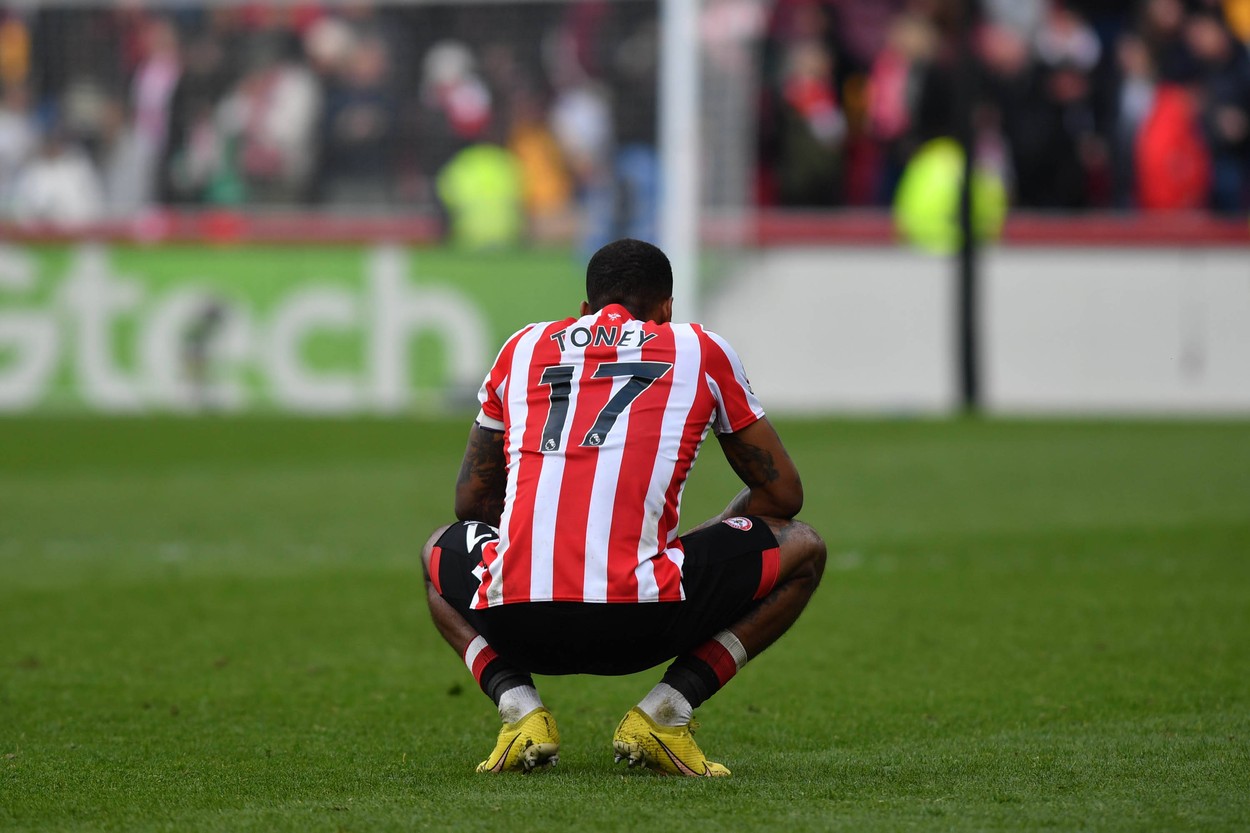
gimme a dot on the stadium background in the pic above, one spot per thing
(255, 258)
(151, 155)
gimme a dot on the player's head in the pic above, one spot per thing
(635, 275)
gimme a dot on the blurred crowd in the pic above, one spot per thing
(534, 119)
(1076, 103)
(539, 119)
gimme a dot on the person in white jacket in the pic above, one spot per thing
(59, 186)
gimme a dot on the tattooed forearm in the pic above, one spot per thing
(483, 458)
(753, 464)
(760, 460)
(483, 478)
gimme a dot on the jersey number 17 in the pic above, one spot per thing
(559, 377)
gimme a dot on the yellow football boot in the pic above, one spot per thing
(670, 750)
(533, 742)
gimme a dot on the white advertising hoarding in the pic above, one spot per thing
(1063, 330)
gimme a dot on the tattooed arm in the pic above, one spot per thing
(483, 477)
(773, 487)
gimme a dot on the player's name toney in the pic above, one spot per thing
(601, 336)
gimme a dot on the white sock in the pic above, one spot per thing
(667, 706)
(734, 646)
(517, 702)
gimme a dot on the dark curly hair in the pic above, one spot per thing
(631, 273)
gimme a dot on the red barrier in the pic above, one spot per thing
(229, 227)
(1025, 229)
(767, 229)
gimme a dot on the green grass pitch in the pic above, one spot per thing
(213, 624)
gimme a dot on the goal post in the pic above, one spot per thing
(679, 139)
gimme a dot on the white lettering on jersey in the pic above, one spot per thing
(472, 539)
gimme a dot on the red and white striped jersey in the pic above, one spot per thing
(602, 418)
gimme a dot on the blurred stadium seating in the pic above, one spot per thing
(115, 109)
(532, 125)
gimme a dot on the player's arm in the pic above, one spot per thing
(483, 477)
(773, 487)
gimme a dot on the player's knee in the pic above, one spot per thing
(812, 553)
(428, 549)
(818, 556)
(803, 551)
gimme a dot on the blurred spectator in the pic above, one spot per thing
(1064, 39)
(605, 70)
(1055, 143)
(1087, 103)
(1172, 162)
(546, 186)
(581, 119)
(58, 186)
(481, 190)
(18, 138)
(1162, 27)
(1134, 101)
(1057, 149)
(195, 149)
(729, 32)
(791, 23)
(81, 113)
(812, 128)
(358, 139)
(123, 161)
(14, 50)
(270, 120)
(1224, 107)
(456, 104)
(329, 44)
(893, 89)
(633, 76)
(151, 92)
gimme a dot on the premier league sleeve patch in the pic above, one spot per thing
(740, 524)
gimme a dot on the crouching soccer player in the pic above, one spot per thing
(567, 558)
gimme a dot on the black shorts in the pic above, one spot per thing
(726, 570)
